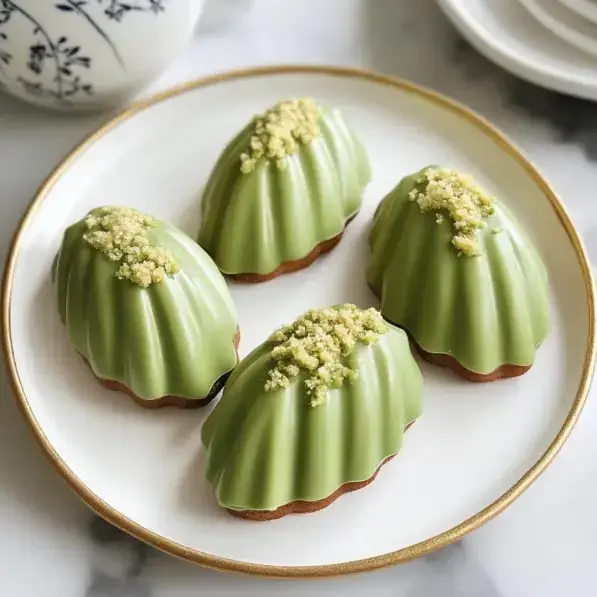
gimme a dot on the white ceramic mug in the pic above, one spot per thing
(68, 54)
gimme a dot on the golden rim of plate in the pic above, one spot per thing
(402, 555)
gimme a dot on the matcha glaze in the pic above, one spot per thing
(290, 180)
(452, 266)
(72, 552)
(144, 304)
(270, 442)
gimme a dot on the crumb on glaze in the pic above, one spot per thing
(120, 233)
(460, 198)
(280, 131)
(318, 343)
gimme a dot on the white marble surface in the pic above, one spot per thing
(51, 545)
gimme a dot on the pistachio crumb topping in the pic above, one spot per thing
(280, 131)
(460, 198)
(319, 344)
(120, 233)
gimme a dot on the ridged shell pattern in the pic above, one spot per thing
(267, 449)
(172, 338)
(485, 311)
(252, 223)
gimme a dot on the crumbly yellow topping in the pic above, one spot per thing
(459, 197)
(120, 233)
(280, 131)
(319, 344)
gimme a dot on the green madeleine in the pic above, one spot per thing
(266, 449)
(174, 337)
(485, 311)
(254, 222)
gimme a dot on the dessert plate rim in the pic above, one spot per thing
(427, 546)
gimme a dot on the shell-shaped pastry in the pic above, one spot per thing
(268, 450)
(487, 311)
(261, 214)
(171, 338)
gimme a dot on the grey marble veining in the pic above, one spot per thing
(574, 119)
(52, 546)
(119, 560)
(453, 572)
(454, 67)
(104, 534)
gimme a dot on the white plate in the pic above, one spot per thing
(505, 33)
(474, 450)
(584, 8)
(564, 23)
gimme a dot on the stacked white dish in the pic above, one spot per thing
(584, 8)
(552, 43)
(567, 20)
